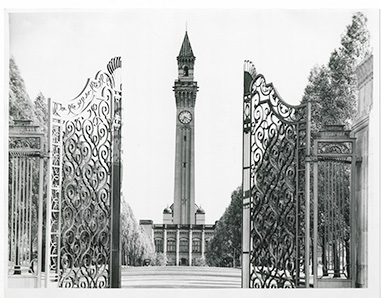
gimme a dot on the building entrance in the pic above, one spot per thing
(183, 262)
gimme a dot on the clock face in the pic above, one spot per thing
(185, 117)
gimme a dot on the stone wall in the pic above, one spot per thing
(360, 131)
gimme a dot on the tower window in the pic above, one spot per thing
(186, 71)
(185, 138)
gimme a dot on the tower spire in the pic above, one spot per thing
(186, 49)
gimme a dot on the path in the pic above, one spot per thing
(180, 277)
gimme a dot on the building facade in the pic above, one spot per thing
(183, 236)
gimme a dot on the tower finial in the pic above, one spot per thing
(186, 26)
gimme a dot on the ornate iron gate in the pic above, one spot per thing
(84, 188)
(333, 212)
(276, 141)
(25, 204)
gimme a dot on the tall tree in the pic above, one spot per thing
(332, 87)
(41, 111)
(225, 246)
(136, 245)
(20, 105)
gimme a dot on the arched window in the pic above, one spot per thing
(171, 245)
(184, 245)
(186, 70)
(196, 245)
(159, 245)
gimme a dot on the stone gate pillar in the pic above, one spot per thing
(360, 131)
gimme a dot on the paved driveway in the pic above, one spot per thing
(180, 277)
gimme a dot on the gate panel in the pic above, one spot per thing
(333, 240)
(26, 153)
(84, 183)
(274, 176)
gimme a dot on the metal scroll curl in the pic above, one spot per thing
(276, 144)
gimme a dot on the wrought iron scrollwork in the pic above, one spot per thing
(335, 148)
(24, 142)
(277, 149)
(85, 204)
(81, 170)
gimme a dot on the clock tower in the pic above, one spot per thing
(183, 236)
(185, 89)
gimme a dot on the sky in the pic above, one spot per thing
(57, 51)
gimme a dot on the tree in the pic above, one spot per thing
(41, 112)
(20, 105)
(332, 88)
(136, 245)
(147, 247)
(225, 246)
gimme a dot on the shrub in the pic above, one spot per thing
(160, 259)
(201, 262)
